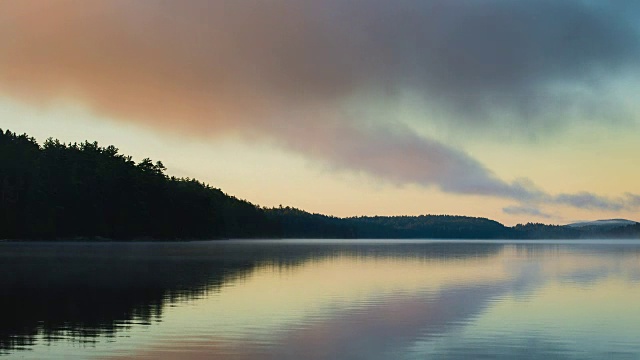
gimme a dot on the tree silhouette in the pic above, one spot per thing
(85, 191)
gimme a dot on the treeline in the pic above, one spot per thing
(295, 223)
(66, 191)
(428, 227)
(85, 191)
(621, 232)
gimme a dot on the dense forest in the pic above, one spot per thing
(85, 191)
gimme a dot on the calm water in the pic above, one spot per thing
(321, 300)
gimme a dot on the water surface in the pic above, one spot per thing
(321, 300)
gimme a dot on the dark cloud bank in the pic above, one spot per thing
(283, 70)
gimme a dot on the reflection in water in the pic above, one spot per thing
(320, 300)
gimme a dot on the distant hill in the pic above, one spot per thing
(625, 232)
(609, 228)
(609, 223)
(428, 227)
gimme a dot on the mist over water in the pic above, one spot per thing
(321, 300)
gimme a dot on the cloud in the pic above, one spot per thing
(287, 71)
(582, 200)
(399, 156)
(632, 199)
(234, 63)
(525, 210)
(590, 201)
(586, 200)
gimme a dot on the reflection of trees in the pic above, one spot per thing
(295, 253)
(82, 290)
(555, 249)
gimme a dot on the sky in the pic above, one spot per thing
(519, 111)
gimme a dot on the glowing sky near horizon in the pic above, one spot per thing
(516, 111)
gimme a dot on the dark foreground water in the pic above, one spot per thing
(320, 300)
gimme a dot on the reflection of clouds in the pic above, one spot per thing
(584, 320)
(378, 307)
(586, 277)
(578, 270)
(579, 264)
(634, 275)
(369, 332)
(318, 287)
(386, 326)
(530, 347)
(526, 277)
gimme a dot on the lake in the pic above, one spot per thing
(334, 299)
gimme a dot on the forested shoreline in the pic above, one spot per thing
(58, 191)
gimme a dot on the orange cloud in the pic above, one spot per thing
(285, 70)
